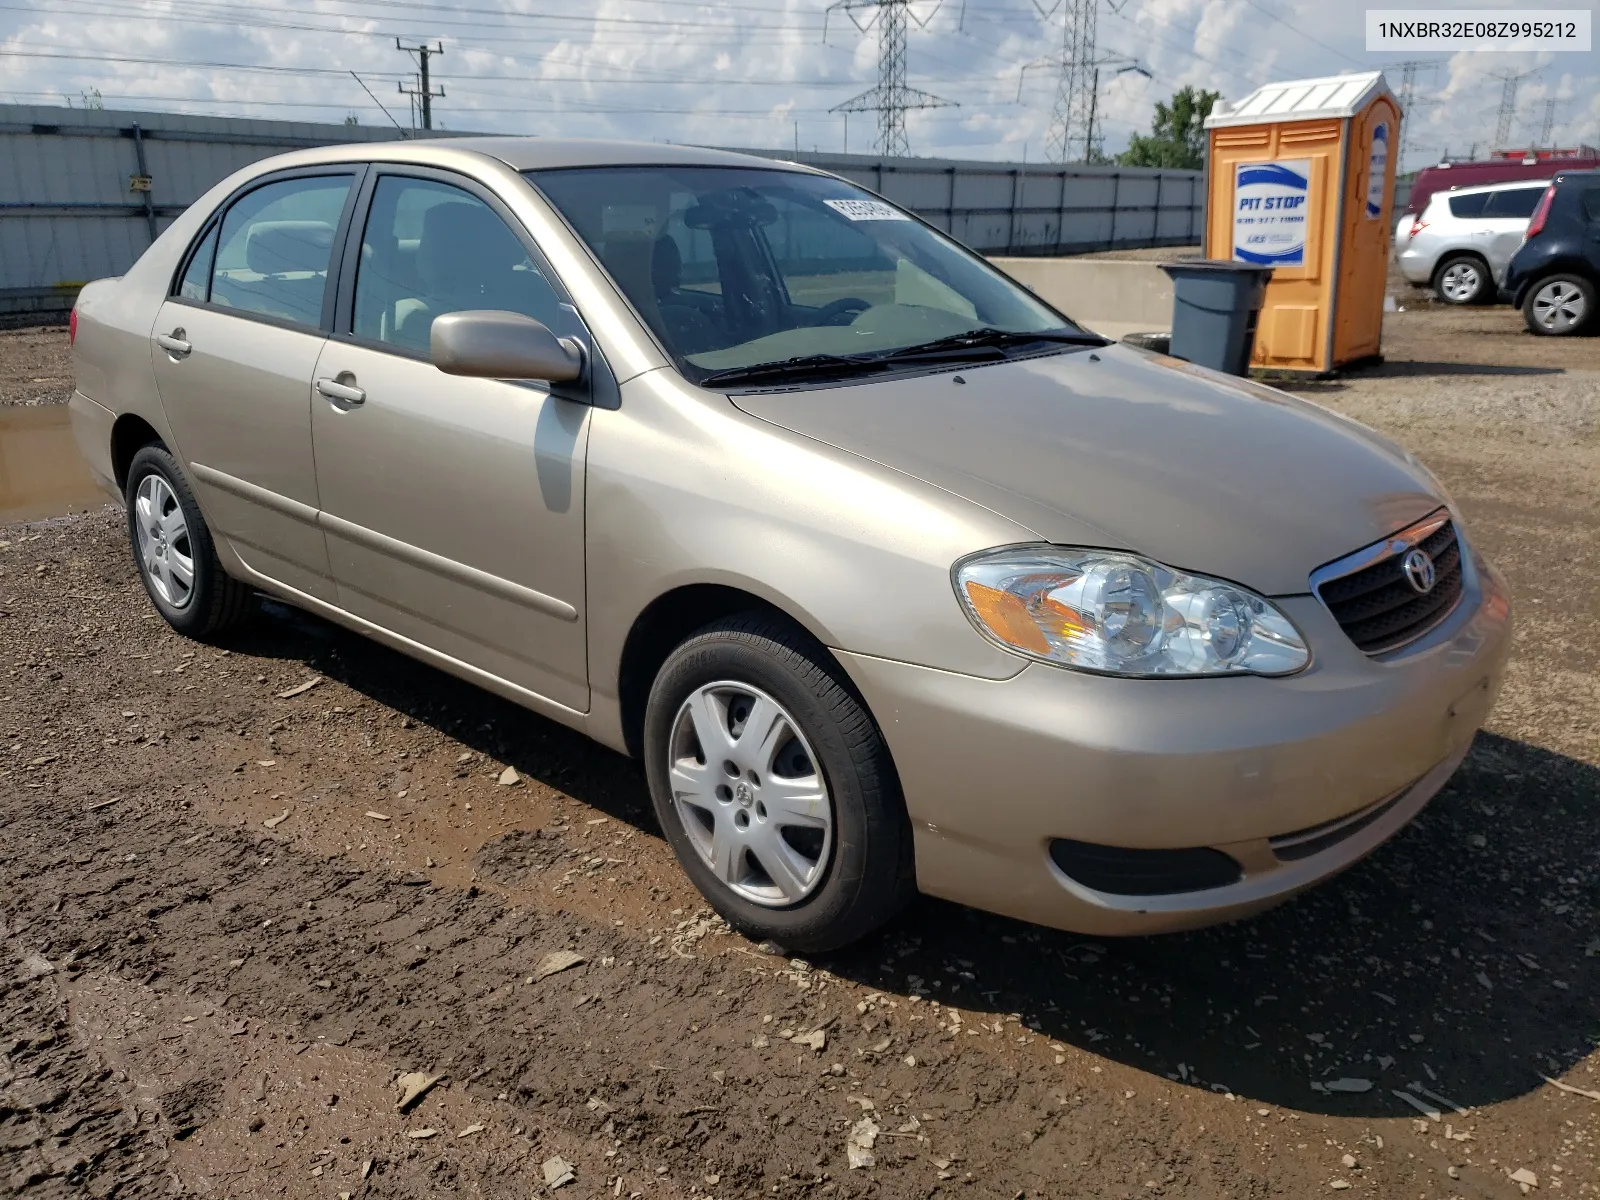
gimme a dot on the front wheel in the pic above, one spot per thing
(775, 788)
(1559, 306)
(174, 552)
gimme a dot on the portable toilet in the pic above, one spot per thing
(1301, 177)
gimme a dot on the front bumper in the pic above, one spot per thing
(995, 771)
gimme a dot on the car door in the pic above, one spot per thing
(1591, 215)
(453, 507)
(1505, 220)
(234, 348)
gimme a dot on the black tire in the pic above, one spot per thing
(869, 874)
(215, 601)
(1458, 267)
(1537, 315)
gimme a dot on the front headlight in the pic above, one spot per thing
(1099, 610)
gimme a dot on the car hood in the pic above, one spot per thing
(1128, 450)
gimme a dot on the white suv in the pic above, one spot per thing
(1460, 243)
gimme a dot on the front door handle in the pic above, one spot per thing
(173, 343)
(342, 394)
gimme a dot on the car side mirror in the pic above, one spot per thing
(494, 344)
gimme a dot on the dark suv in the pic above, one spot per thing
(1555, 276)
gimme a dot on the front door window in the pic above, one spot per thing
(429, 249)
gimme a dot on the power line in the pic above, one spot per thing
(1302, 33)
(892, 98)
(378, 102)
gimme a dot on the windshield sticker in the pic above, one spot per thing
(866, 210)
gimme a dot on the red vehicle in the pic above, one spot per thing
(1534, 165)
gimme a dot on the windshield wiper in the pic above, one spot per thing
(809, 366)
(991, 339)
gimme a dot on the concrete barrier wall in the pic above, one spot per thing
(1112, 297)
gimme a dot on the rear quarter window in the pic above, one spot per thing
(1513, 202)
(1469, 206)
(1591, 203)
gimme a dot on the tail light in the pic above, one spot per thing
(1536, 222)
(1417, 225)
(72, 326)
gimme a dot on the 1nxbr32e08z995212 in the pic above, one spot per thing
(893, 576)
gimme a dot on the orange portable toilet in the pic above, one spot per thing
(1301, 178)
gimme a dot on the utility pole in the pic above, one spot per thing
(1089, 155)
(891, 99)
(425, 91)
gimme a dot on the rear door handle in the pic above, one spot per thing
(341, 394)
(173, 343)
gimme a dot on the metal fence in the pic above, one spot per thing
(84, 191)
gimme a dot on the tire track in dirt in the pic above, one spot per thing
(660, 1056)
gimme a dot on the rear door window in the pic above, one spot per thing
(275, 246)
(1513, 202)
(1469, 206)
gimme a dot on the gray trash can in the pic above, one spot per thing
(1214, 309)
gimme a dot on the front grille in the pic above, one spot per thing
(1123, 872)
(1380, 610)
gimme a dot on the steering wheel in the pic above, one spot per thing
(850, 306)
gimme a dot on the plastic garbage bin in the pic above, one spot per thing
(1215, 305)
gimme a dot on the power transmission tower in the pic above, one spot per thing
(424, 92)
(1075, 81)
(1409, 70)
(1548, 124)
(1072, 137)
(1508, 104)
(891, 99)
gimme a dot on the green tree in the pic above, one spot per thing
(1177, 137)
(352, 119)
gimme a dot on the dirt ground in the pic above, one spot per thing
(34, 366)
(235, 909)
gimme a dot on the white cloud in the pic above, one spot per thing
(744, 72)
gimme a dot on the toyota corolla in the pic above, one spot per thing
(893, 576)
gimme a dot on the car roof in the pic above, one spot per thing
(1503, 185)
(541, 153)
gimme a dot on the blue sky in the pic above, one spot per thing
(741, 73)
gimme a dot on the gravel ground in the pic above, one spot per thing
(231, 917)
(34, 366)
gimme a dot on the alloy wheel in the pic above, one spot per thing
(165, 550)
(1460, 282)
(749, 793)
(1559, 306)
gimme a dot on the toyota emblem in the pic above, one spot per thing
(1419, 571)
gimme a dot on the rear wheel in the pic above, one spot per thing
(173, 550)
(1461, 279)
(774, 786)
(1559, 306)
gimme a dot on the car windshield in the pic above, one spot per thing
(745, 271)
